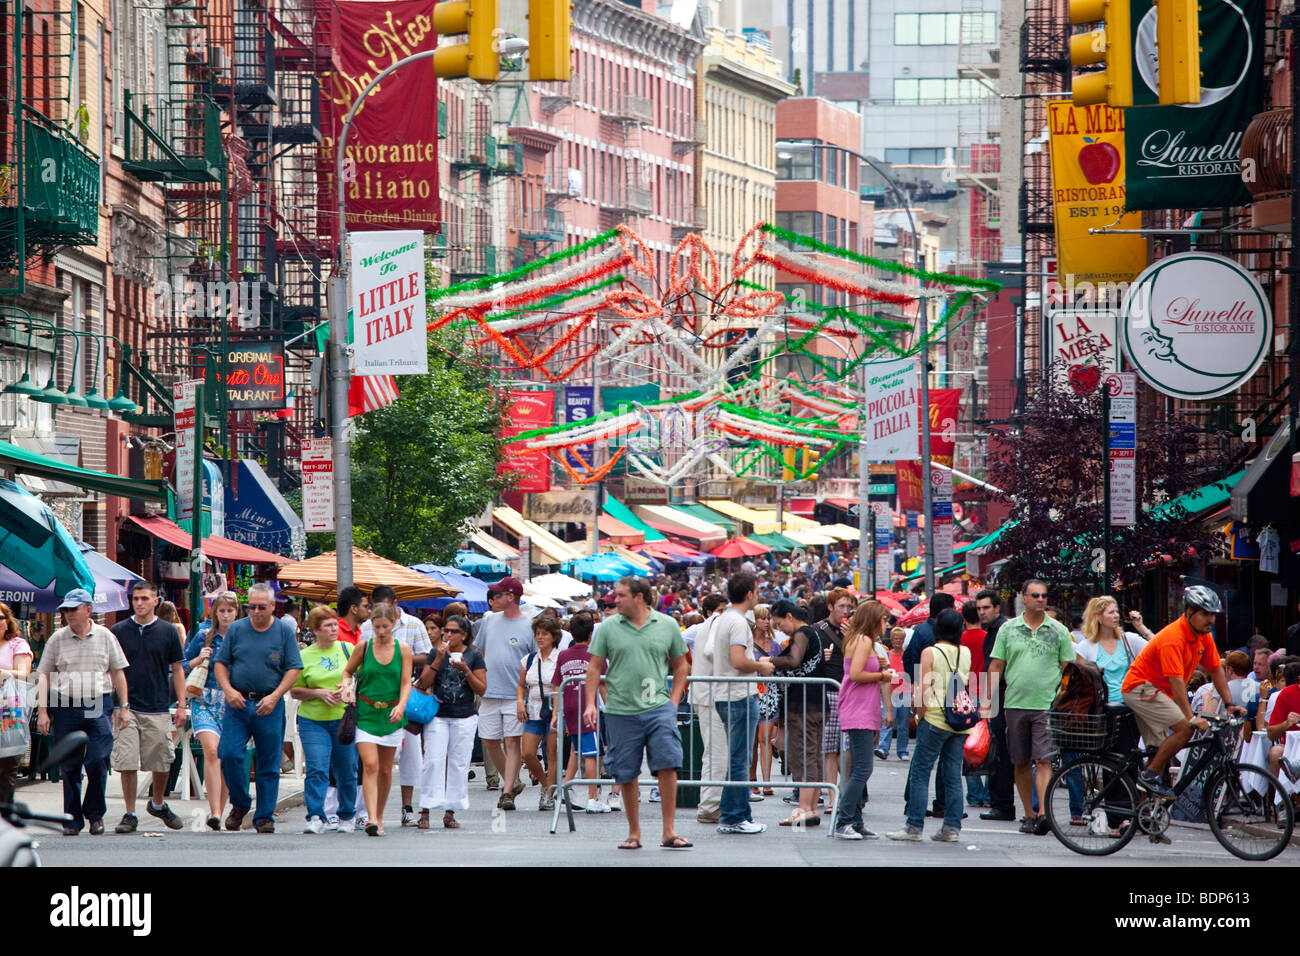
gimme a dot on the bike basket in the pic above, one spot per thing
(1085, 733)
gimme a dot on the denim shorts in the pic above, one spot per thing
(653, 733)
(538, 728)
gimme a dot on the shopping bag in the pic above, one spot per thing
(15, 714)
(195, 682)
(977, 744)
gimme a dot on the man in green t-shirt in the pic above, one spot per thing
(640, 645)
(1030, 650)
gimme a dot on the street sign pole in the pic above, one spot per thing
(1105, 493)
(196, 518)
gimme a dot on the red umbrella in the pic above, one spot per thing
(922, 611)
(739, 548)
(890, 600)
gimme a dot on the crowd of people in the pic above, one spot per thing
(787, 673)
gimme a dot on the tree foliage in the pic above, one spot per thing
(424, 465)
(1051, 466)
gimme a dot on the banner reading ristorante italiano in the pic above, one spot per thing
(1188, 157)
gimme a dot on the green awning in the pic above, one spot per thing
(25, 462)
(616, 509)
(777, 542)
(705, 513)
(1214, 495)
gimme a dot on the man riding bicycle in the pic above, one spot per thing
(1155, 688)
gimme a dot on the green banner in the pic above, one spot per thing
(1188, 157)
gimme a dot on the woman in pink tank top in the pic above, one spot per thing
(859, 699)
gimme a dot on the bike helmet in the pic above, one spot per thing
(1199, 596)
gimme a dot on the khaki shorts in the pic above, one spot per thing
(1154, 710)
(145, 743)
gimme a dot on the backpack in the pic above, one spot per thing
(1082, 690)
(960, 711)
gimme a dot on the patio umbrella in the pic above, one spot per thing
(317, 578)
(111, 580)
(891, 601)
(469, 589)
(35, 546)
(922, 611)
(480, 566)
(739, 548)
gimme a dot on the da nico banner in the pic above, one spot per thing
(1188, 157)
(1196, 325)
(389, 327)
(1087, 144)
(390, 170)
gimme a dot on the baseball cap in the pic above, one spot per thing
(610, 599)
(511, 585)
(75, 598)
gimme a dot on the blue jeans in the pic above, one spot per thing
(323, 753)
(268, 737)
(977, 789)
(95, 722)
(902, 714)
(934, 744)
(1073, 786)
(740, 717)
(862, 744)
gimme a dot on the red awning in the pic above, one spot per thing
(217, 548)
(802, 506)
(844, 504)
(682, 532)
(618, 532)
(669, 549)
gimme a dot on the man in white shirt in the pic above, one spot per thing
(713, 733)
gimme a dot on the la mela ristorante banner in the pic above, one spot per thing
(391, 157)
(389, 325)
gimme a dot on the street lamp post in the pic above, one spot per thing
(785, 149)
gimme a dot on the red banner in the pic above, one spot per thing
(911, 493)
(945, 408)
(391, 168)
(524, 412)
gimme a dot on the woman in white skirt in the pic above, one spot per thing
(455, 675)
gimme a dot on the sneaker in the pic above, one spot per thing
(164, 813)
(881, 755)
(865, 833)
(910, 834)
(129, 822)
(547, 802)
(1292, 769)
(616, 801)
(1151, 783)
(946, 834)
(315, 825)
(597, 806)
(359, 824)
(744, 826)
(847, 832)
(904, 757)
(332, 823)
(654, 794)
(755, 797)
(493, 783)
(408, 816)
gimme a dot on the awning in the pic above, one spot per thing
(671, 521)
(616, 509)
(841, 532)
(712, 516)
(1263, 492)
(259, 516)
(808, 538)
(671, 551)
(216, 548)
(618, 532)
(65, 449)
(760, 522)
(844, 504)
(492, 547)
(546, 546)
(792, 521)
(631, 557)
(777, 542)
(802, 506)
(24, 462)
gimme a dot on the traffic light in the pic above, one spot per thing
(477, 57)
(549, 24)
(789, 456)
(1111, 45)
(810, 459)
(1178, 47)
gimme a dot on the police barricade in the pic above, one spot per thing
(801, 710)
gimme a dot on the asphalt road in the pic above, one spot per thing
(493, 838)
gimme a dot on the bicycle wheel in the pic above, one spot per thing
(1249, 812)
(1104, 798)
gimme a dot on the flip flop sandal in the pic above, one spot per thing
(630, 844)
(372, 829)
(449, 823)
(517, 789)
(424, 821)
(677, 843)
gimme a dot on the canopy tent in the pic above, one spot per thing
(777, 542)
(759, 522)
(481, 567)
(603, 567)
(111, 581)
(674, 552)
(671, 521)
(712, 516)
(618, 532)
(630, 556)
(841, 532)
(468, 589)
(560, 587)
(547, 548)
(215, 547)
(35, 546)
(317, 578)
(533, 601)
(808, 538)
(740, 548)
(492, 547)
(616, 509)
(791, 521)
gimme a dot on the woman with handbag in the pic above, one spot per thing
(319, 714)
(207, 704)
(16, 665)
(946, 713)
(535, 706)
(455, 675)
(382, 667)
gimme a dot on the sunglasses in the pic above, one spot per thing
(1039, 597)
(259, 607)
(452, 630)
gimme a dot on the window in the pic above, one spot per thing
(925, 92)
(801, 164)
(945, 29)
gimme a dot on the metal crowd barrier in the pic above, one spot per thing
(718, 750)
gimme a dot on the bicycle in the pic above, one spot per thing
(1248, 811)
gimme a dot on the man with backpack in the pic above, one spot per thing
(1027, 654)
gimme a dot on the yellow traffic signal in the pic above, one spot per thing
(1112, 45)
(810, 459)
(1178, 47)
(478, 57)
(549, 25)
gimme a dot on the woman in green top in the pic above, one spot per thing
(383, 669)
(322, 706)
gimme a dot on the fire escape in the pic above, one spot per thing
(477, 157)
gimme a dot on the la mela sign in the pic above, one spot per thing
(1196, 325)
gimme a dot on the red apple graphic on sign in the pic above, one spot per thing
(1084, 379)
(1098, 161)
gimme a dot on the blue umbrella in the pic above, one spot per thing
(470, 590)
(35, 546)
(111, 580)
(483, 568)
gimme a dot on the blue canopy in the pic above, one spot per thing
(482, 567)
(259, 516)
(603, 567)
(35, 546)
(470, 590)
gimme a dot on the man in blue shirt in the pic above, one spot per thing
(257, 664)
